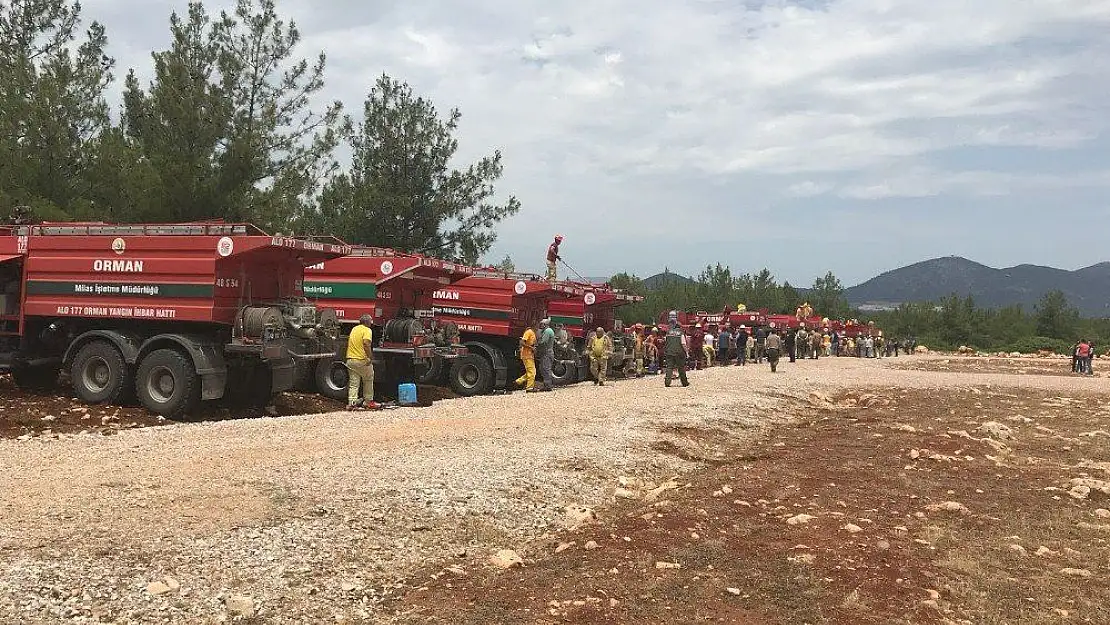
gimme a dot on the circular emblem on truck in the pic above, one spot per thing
(387, 267)
(119, 246)
(521, 288)
(225, 246)
(590, 298)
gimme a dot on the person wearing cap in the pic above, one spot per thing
(676, 350)
(599, 349)
(773, 348)
(552, 257)
(528, 358)
(801, 344)
(360, 365)
(545, 350)
(724, 345)
(742, 346)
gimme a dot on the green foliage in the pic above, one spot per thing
(827, 297)
(956, 321)
(52, 106)
(227, 128)
(226, 123)
(627, 283)
(1055, 318)
(717, 288)
(1033, 344)
(507, 265)
(401, 191)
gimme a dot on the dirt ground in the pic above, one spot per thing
(837, 491)
(918, 516)
(26, 414)
(1054, 365)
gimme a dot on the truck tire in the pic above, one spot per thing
(99, 374)
(36, 379)
(470, 375)
(331, 378)
(167, 383)
(563, 373)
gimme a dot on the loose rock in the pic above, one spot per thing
(506, 559)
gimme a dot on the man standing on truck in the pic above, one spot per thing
(528, 357)
(546, 353)
(552, 257)
(599, 350)
(360, 365)
(676, 350)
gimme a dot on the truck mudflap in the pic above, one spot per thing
(283, 375)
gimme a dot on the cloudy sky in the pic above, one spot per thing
(808, 135)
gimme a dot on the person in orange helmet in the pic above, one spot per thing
(552, 257)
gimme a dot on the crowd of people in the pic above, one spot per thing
(673, 349)
(724, 345)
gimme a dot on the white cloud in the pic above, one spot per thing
(613, 114)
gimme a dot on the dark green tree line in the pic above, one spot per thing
(716, 287)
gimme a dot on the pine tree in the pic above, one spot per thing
(401, 191)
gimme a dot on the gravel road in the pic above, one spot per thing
(317, 518)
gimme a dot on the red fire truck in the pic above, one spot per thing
(172, 313)
(396, 289)
(491, 310)
(596, 308)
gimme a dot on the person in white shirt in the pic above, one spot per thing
(710, 348)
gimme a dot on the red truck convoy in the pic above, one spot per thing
(396, 289)
(491, 310)
(170, 313)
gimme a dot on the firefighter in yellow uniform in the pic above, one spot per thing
(599, 351)
(360, 365)
(528, 357)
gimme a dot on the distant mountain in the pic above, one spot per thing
(1087, 289)
(656, 281)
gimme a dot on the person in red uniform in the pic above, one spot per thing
(552, 256)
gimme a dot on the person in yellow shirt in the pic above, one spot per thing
(360, 365)
(599, 351)
(528, 357)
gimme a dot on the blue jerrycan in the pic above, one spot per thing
(406, 394)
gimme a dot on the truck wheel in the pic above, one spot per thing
(100, 374)
(36, 379)
(563, 373)
(471, 375)
(167, 384)
(331, 378)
